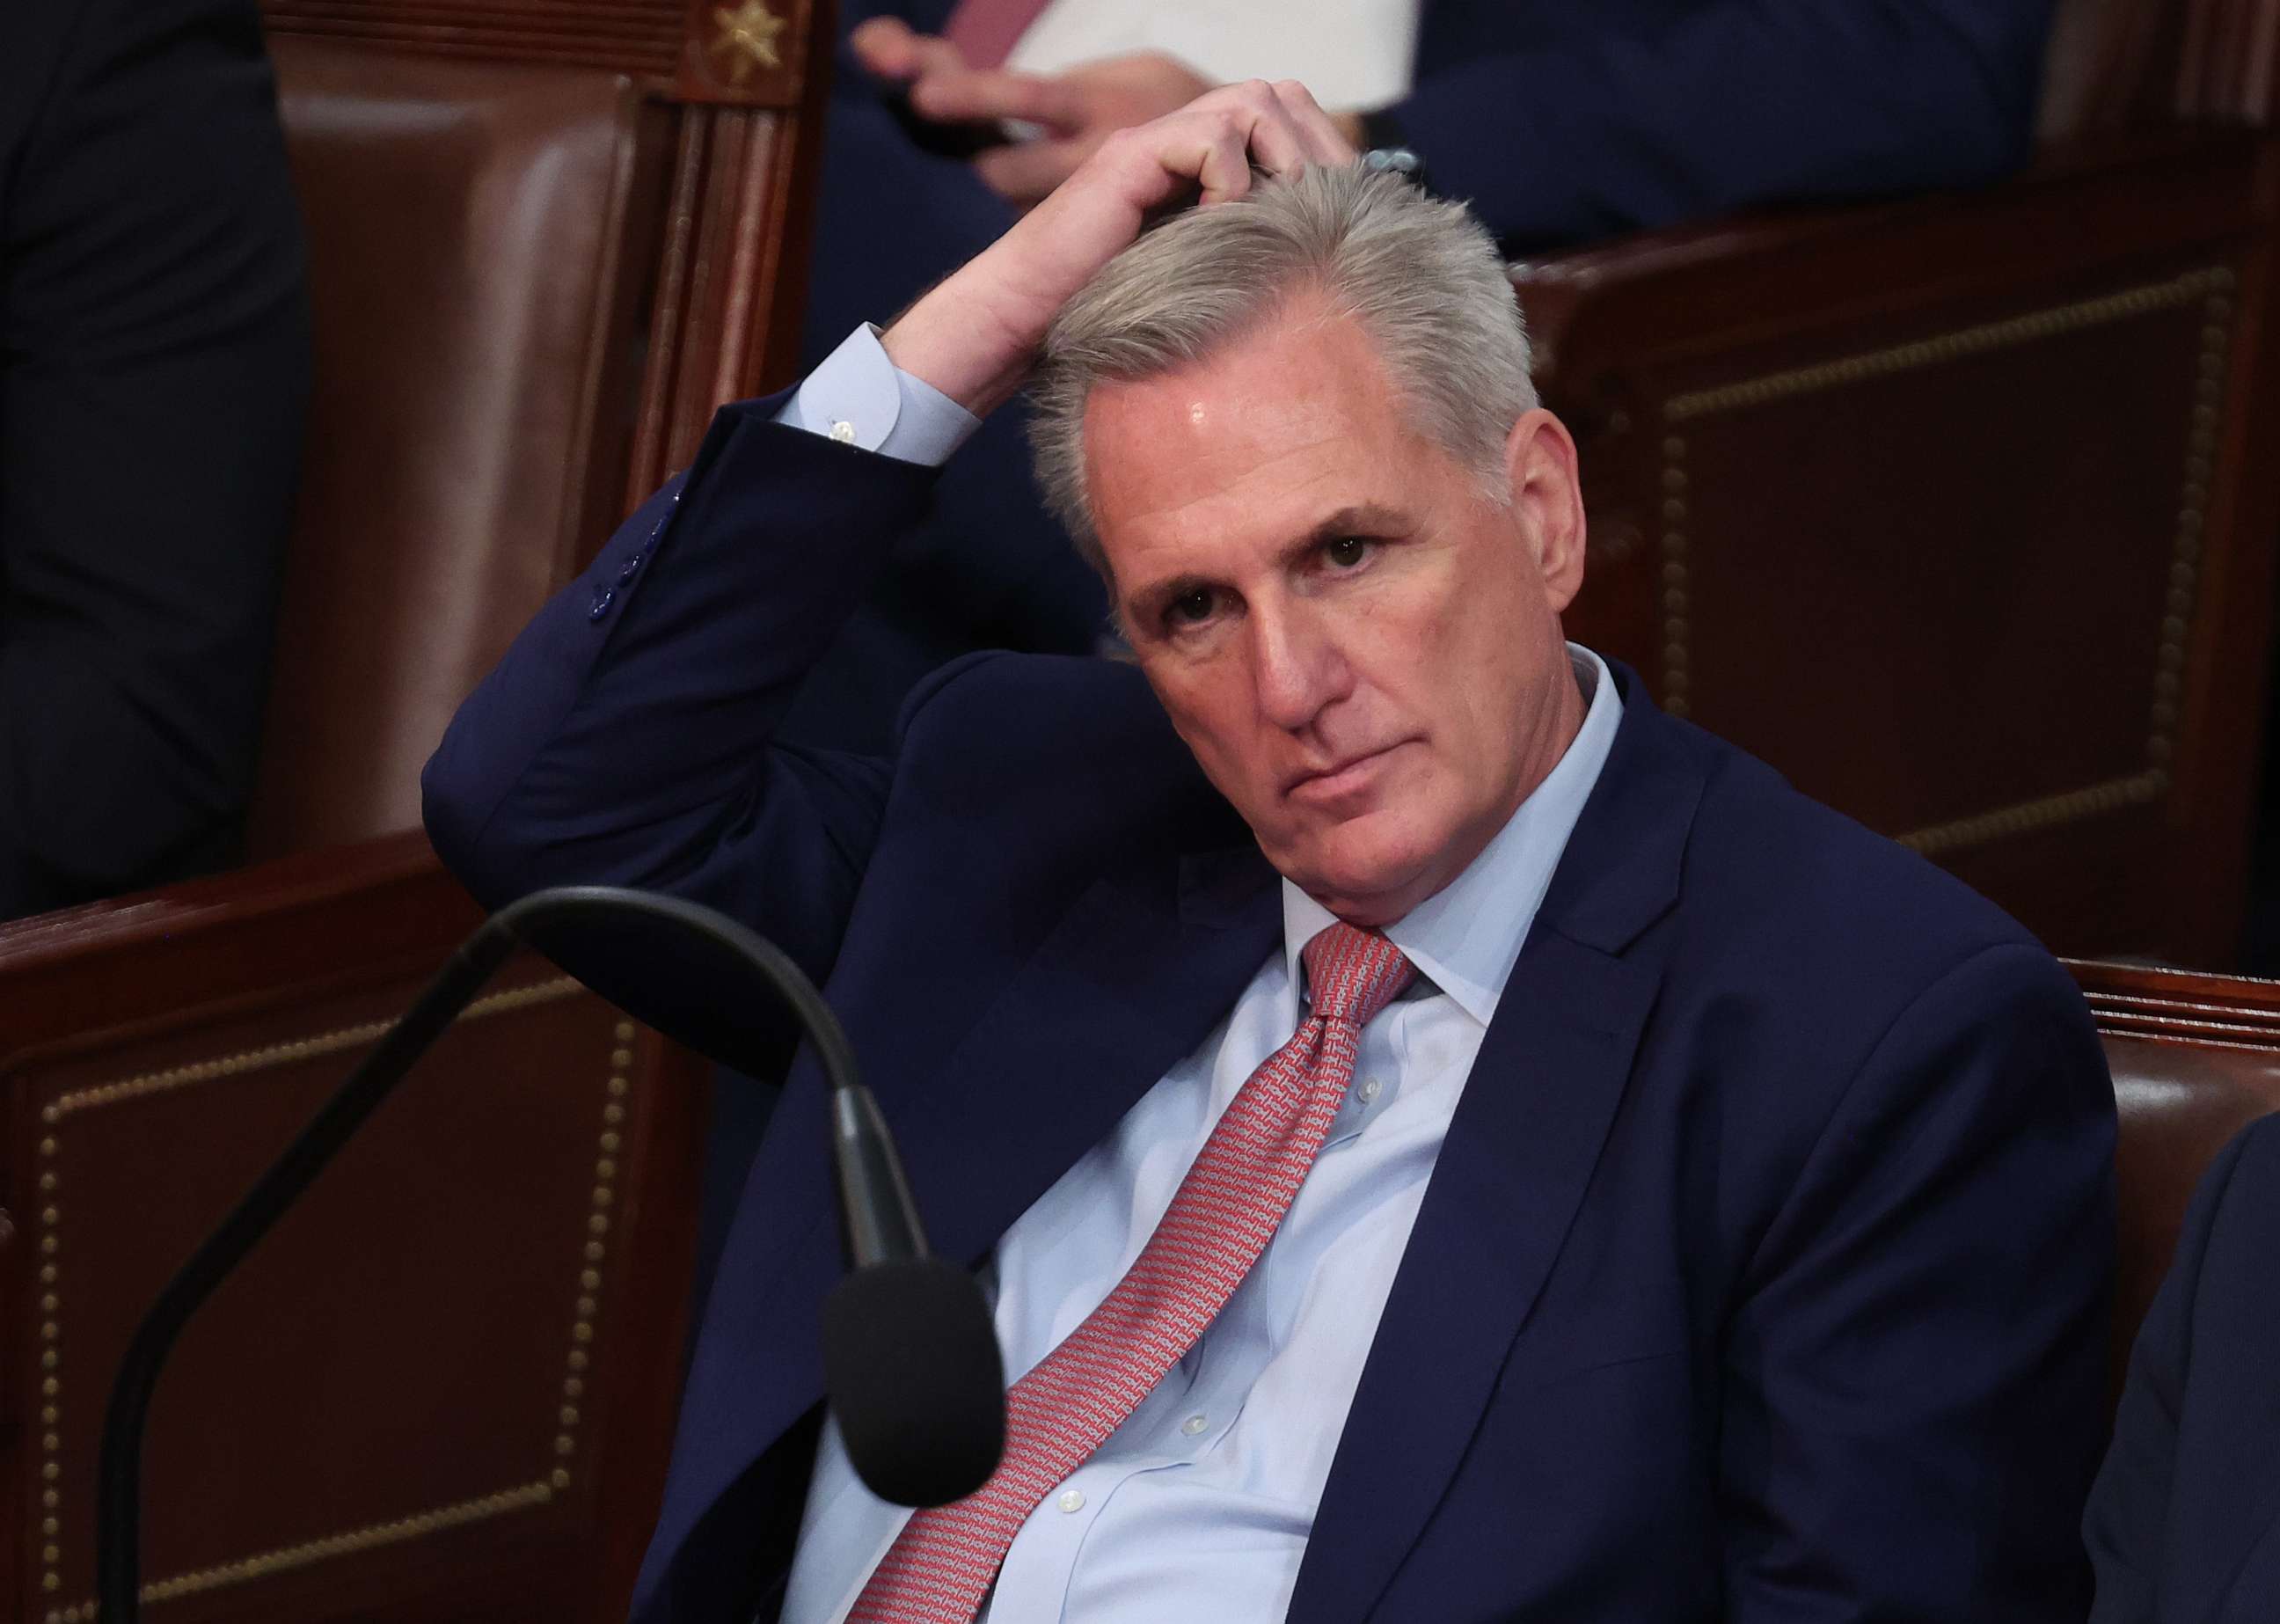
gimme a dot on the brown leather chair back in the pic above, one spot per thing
(2195, 1059)
(466, 222)
(2116, 64)
(542, 246)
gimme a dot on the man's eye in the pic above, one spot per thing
(1192, 608)
(1346, 552)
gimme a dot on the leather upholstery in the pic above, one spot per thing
(2179, 1103)
(2195, 1058)
(2103, 67)
(464, 224)
(2115, 64)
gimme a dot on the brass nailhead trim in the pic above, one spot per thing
(316, 1550)
(1674, 628)
(586, 1306)
(1948, 346)
(273, 1055)
(2211, 286)
(283, 1054)
(2050, 811)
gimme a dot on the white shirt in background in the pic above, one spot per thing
(1350, 53)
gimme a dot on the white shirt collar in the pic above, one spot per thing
(1465, 937)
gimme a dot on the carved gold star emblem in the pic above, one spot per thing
(747, 38)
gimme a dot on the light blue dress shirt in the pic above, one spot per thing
(1198, 1507)
(858, 397)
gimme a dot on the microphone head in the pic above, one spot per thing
(911, 1368)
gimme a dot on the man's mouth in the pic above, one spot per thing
(1349, 776)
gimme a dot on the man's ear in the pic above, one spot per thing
(1547, 501)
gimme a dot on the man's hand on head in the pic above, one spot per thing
(977, 334)
(1075, 111)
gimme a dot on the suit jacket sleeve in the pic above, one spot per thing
(1915, 1370)
(627, 736)
(1569, 124)
(154, 372)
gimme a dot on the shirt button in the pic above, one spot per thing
(1369, 1087)
(844, 432)
(1070, 1501)
(1194, 1424)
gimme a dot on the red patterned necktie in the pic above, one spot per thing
(1219, 1221)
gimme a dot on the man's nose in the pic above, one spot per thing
(1296, 663)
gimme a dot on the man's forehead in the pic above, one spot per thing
(1263, 441)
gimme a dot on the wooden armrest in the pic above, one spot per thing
(443, 1387)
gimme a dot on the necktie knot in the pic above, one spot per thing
(1353, 974)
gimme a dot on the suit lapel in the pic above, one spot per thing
(1127, 985)
(1520, 1151)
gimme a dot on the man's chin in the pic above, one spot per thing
(1360, 887)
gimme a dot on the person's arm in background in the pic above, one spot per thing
(1564, 124)
(1630, 117)
(154, 377)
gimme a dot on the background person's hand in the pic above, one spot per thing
(1072, 111)
(890, 49)
(976, 335)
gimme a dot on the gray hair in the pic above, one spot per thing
(1423, 278)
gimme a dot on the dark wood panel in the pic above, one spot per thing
(1953, 510)
(456, 1362)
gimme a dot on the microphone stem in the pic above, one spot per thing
(879, 1222)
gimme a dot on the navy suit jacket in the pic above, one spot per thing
(1764, 1272)
(2184, 1525)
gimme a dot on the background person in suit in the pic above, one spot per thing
(154, 375)
(1718, 1226)
(2184, 1522)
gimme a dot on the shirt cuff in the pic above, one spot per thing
(860, 398)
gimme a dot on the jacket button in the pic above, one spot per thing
(603, 599)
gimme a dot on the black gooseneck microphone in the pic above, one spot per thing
(910, 1357)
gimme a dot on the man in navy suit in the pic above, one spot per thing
(1718, 1226)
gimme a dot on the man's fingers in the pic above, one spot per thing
(968, 96)
(1274, 140)
(1325, 142)
(1223, 163)
(1025, 171)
